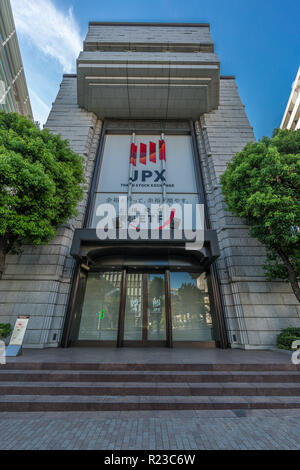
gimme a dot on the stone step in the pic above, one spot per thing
(17, 365)
(199, 377)
(153, 384)
(144, 389)
(144, 372)
(125, 387)
(127, 403)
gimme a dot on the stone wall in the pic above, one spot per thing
(37, 282)
(256, 310)
(100, 35)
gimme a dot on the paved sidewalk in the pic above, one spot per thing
(153, 355)
(187, 430)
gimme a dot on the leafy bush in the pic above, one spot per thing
(41, 183)
(262, 185)
(5, 330)
(286, 338)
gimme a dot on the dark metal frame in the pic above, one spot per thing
(73, 299)
(144, 342)
(145, 309)
(215, 280)
(121, 320)
(97, 166)
(120, 342)
(122, 309)
(168, 309)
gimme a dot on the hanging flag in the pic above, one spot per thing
(162, 150)
(152, 152)
(143, 154)
(133, 153)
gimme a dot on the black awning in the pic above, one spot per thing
(88, 248)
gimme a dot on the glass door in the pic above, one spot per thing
(126, 308)
(133, 321)
(145, 312)
(156, 309)
(100, 309)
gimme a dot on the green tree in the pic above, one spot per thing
(156, 288)
(40, 184)
(261, 184)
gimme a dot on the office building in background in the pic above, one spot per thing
(291, 118)
(14, 95)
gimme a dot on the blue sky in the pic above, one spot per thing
(258, 41)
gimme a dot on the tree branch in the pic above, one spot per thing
(291, 273)
(3, 250)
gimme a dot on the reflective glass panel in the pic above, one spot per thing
(156, 307)
(100, 311)
(191, 316)
(133, 325)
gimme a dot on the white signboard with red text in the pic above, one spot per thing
(15, 345)
(19, 330)
(153, 169)
(148, 173)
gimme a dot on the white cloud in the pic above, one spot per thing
(53, 31)
(40, 109)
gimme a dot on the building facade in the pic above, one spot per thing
(156, 124)
(14, 95)
(291, 117)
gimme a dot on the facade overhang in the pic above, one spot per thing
(133, 85)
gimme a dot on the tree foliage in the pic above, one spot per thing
(5, 330)
(262, 184)
(40, 183)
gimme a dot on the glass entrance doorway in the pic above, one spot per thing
(144, 308)
(145, 312)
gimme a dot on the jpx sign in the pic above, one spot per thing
(145, 175)
(146, 163)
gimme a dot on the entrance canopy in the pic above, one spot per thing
(87, 248)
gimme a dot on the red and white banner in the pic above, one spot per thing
(147, 151)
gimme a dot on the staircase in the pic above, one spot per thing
(123, 387)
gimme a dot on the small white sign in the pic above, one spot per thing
(19, 331)
(2, 352)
